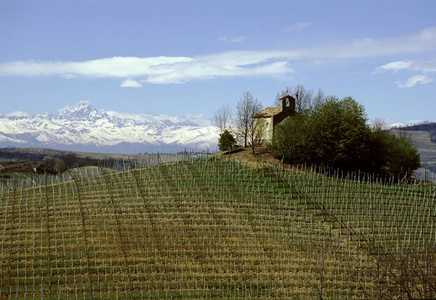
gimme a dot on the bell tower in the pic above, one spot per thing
(287, 103)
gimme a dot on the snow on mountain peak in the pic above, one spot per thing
(83, 126)
(83, 110)
(17, 114)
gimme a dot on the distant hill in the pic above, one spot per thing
(423, 137)
(428, 127)
(420, 127)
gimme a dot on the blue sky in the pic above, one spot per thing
(184, 57)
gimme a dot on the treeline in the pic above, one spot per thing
(55, 163)
(16, 155)
(335, 133)
(35, 152)
(424, 126)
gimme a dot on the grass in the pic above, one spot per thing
(216, 228)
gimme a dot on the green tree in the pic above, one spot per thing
(335, 134)
(59, 165)
(403, 158)
(378, 150)
(69, 159)
(227, 141)
(294, 139)
(392, 154)
(342, 133)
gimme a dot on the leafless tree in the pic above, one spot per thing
(318, 99)
(222, 118)
(304, 99)
(379, 124)
(246, 108)
(408, 274)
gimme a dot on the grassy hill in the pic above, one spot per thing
(423, 137)
(216, 228)
(427, 148)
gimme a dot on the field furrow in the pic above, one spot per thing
(215, 229)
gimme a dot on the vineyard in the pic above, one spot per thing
(212, 228)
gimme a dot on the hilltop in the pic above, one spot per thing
(214, 228)
(245, 156)
(423, 137)
(426, 126)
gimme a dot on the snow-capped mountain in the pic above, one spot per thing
(82, 127)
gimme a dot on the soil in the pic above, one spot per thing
(261, 156)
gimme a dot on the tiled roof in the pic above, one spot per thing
(268, 112)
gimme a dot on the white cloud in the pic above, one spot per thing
(236, 39)
(297, 27)
(203, 70)
(417, 66)
(130, 83)
(69, 76)
(170, 70)
(411, 66)
(106, 67)
(160, 70)
(423, 41)
(414, 80)
(395, 66)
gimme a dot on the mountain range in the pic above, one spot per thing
(82, 127)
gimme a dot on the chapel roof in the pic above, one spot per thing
(268, 112)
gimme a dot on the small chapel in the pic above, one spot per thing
(274, 115)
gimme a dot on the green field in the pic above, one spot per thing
(212, 228)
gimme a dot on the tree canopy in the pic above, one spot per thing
(334, 133)
(226, 141)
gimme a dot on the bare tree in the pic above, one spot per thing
(246, 108)
(318, 99)
(379, 124)
(287, 91)
(222, 118)
(304, 99)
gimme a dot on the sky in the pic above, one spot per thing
(192, 56)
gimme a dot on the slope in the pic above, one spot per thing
(212, 228)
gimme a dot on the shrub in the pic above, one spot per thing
(227, 141)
